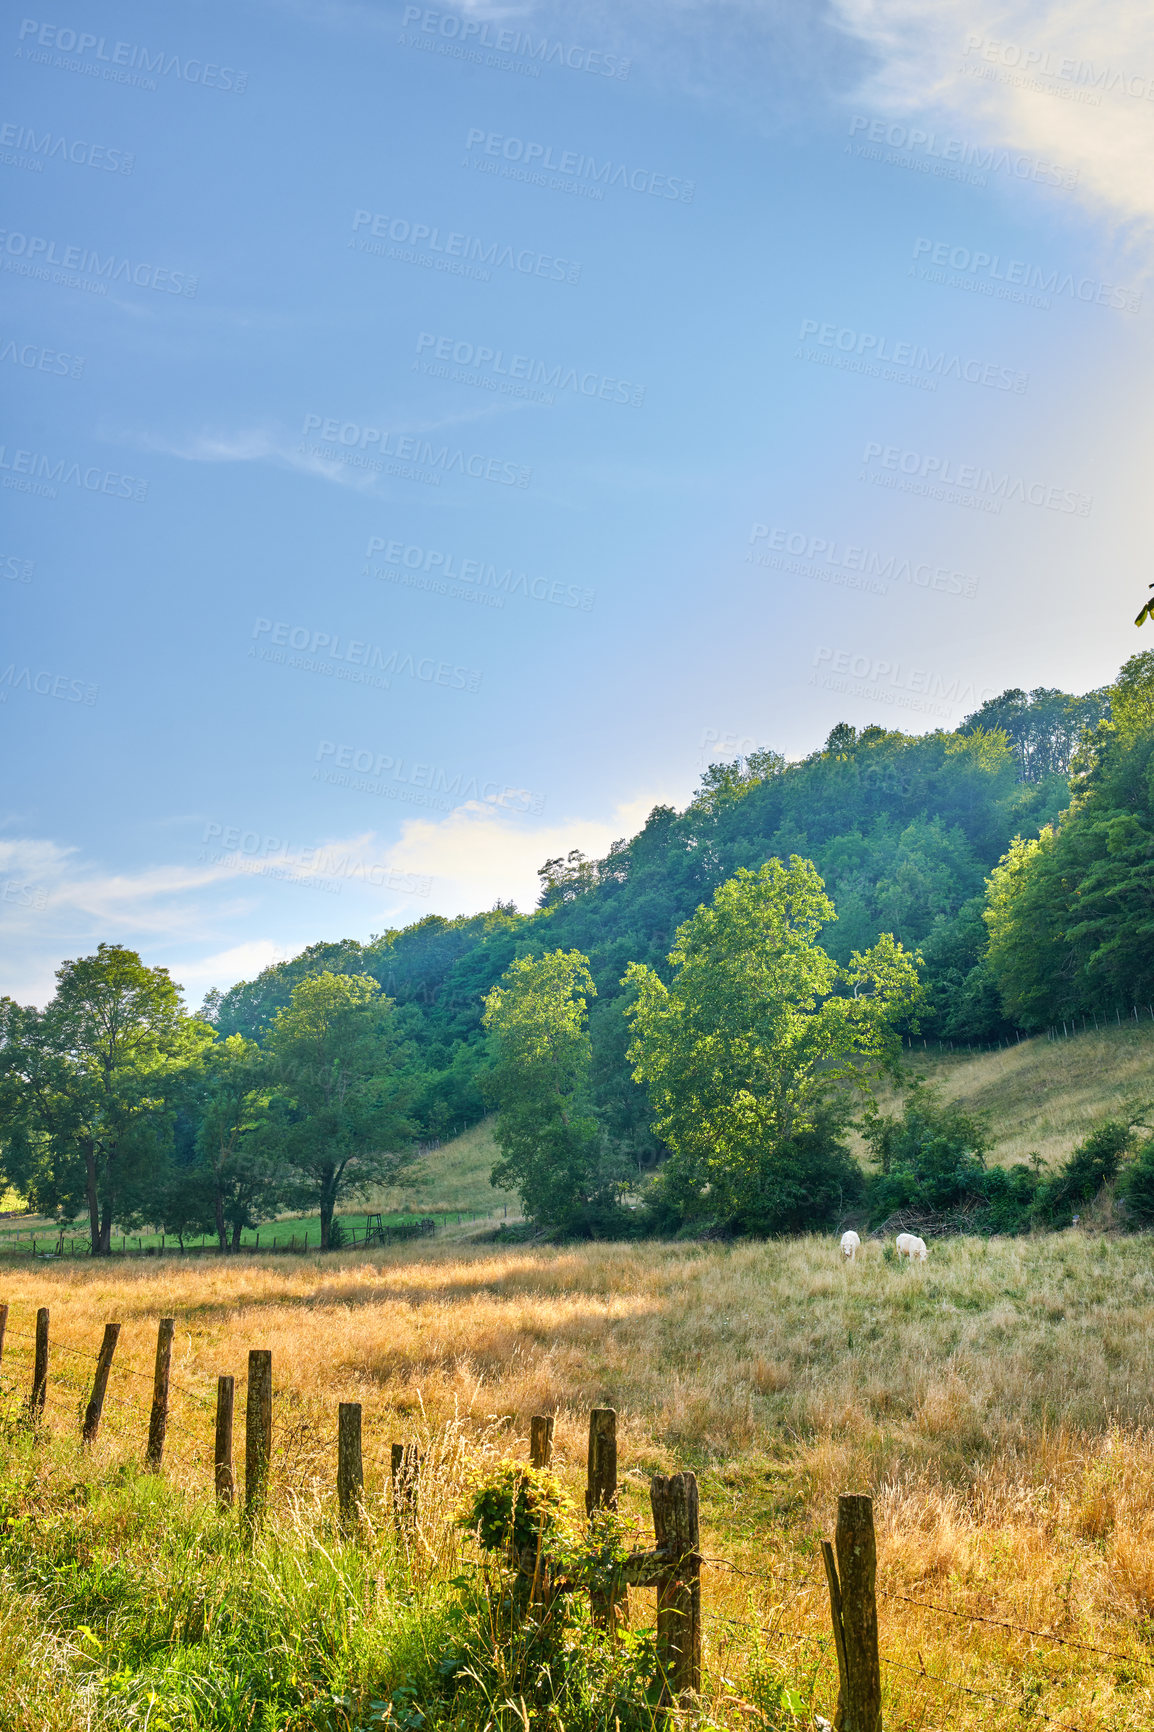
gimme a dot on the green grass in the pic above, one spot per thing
(448, 1182)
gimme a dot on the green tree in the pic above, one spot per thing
(552, 1153)
(88, 1088)
(342, 1090)
(747, 1051)
(237, 1162)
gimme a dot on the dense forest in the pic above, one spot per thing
(1008, 864)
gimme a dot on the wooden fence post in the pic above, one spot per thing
(601, 1493)
(100, 1383)
(601, 1479)
(40, 1368)
(541, 1440)
(222, 1455)
(158, 1418)
(853, 1608)
(350, 1466)
(676, 1527)
(3, 1327)
(405, 1475)
(257, 1433)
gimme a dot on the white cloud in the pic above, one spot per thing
(1022, 75)
(480, 855)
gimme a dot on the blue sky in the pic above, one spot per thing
(432, 435)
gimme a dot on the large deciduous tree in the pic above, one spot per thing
(748, 1051)
(552, 1151)
(342, 1088)
(88, 1087)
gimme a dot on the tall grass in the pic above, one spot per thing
(998, 1401)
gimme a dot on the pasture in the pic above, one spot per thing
(997, 1401)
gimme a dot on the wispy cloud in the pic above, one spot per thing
(1070, 80)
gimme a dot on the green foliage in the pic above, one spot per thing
(1070, 913)
(515, 1508)
(341, 1090)
(1135, 1189)
(89, 1088)
(1095, 1162)
(932, 1159)
(552, 1149)
(744, 1051)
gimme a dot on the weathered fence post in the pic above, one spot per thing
(222, 1454)
(541, 1440)
(601, 1493)
(676, 1526)
(100, 1383)
(853, 1609)
(3, 1327)
(257, 1433)
(158, 1418)
(350, 1468)
(40, 1368)
(405, 1477)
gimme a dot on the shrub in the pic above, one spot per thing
(1094, 1163)
(1136, 1187)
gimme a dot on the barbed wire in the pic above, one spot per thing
(1003, 1624)
(55, 1345)
(968, 1690)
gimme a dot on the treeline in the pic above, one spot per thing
(116, 1104)
(1006, 866)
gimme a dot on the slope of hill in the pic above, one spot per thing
(1044, 1095)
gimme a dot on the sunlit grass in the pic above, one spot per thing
(999, 1403)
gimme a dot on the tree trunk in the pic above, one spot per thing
(328, 1203)
(237, 1229)
(221, 1224)
(93, 1200)
(106, 1230)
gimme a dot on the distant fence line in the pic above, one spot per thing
(57, 1243)
(1061, 1030)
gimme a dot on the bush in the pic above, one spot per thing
(1094, 1163)
(1136, 1187)
(931, 1158)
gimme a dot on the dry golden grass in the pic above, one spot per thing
(998, 1401)
(1046, 1095)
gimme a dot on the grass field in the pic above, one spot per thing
(998, 1402)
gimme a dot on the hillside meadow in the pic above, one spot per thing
(998, 1402)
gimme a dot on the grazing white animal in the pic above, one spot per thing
(909, 1245)
(849, 1245)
